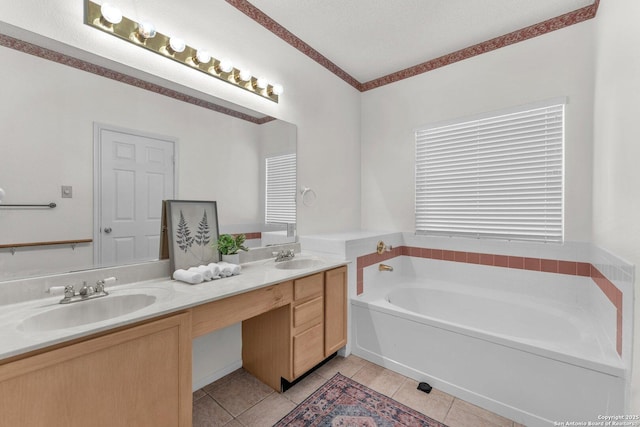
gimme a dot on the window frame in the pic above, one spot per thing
(287, 206)
(426, 217)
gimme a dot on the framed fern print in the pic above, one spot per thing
(192, 229)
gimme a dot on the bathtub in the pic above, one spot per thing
(534, 347)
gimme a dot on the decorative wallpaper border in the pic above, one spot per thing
(553, 24)
(574, 268)
(79, 64)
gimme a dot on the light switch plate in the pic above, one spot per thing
(67, 192)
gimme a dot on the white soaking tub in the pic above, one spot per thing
(531, 346)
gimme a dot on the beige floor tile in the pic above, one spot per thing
(463, 414)
(238, 393)
(207, 413)
(348, 366)
(267, 412)
(233, 423)
(198, 394)
(434, 405)
(304, 388)
(379, 379)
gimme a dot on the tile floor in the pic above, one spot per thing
(239, 399)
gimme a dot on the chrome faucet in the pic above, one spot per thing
(385, 267)
(85, 293)
(284, 255)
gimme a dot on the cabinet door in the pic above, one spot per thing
(307, 350)
(139, 376)
(335, 310)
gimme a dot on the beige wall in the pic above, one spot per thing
(323, 107)
(554, 65)
(616, 175)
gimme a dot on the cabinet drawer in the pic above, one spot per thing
(308, 349)
(227, 311)
(310, 312)
(307, 287)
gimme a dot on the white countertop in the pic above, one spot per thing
(171, 296)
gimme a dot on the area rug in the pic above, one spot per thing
(343, 402)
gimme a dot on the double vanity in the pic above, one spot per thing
(125, 359)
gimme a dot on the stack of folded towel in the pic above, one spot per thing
(205, 273)
(227, 269)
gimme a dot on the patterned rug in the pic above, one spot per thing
(342, 402)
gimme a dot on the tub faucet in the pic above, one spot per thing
(385, 267)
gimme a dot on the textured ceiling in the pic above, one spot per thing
(373, 38)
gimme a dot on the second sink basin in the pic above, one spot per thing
(299, 264)
(85, 312)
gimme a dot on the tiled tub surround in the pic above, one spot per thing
(572, 268)
(561, 365)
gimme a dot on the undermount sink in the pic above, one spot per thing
(299, 264)
(85, 312)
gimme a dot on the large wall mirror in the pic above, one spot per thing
(75, 139)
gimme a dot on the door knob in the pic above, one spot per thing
(107, 230)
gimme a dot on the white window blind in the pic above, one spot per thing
(498, 177)
(280, 203)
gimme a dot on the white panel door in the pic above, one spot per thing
(136, 174)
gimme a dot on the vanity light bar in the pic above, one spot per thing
(143, 34)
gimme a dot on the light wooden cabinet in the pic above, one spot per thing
(335, 310)
(140, 376)
(288, 343)
(307, 324)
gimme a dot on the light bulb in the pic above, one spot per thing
(110, 13)
(146, 30)
(262, 83)
(225, 65)
(277, 89)
(202, 56)
(245, 75)
(177, 44)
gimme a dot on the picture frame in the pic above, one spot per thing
(192, 228)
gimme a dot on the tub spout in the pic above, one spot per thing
(385, 267)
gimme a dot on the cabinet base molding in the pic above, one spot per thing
(286, 385)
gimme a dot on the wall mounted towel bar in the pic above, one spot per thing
(73, 243)
(49, 205)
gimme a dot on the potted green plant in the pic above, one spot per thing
(228, 246)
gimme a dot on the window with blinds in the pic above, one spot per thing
(497, 177)
(280, 192)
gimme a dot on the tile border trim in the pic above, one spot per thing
(574, 268)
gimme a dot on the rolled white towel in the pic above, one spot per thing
(192, 277)
(233, 268)
(225, 271)
(204, 270)
(215, 270)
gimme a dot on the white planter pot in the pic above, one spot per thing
(232, 259)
